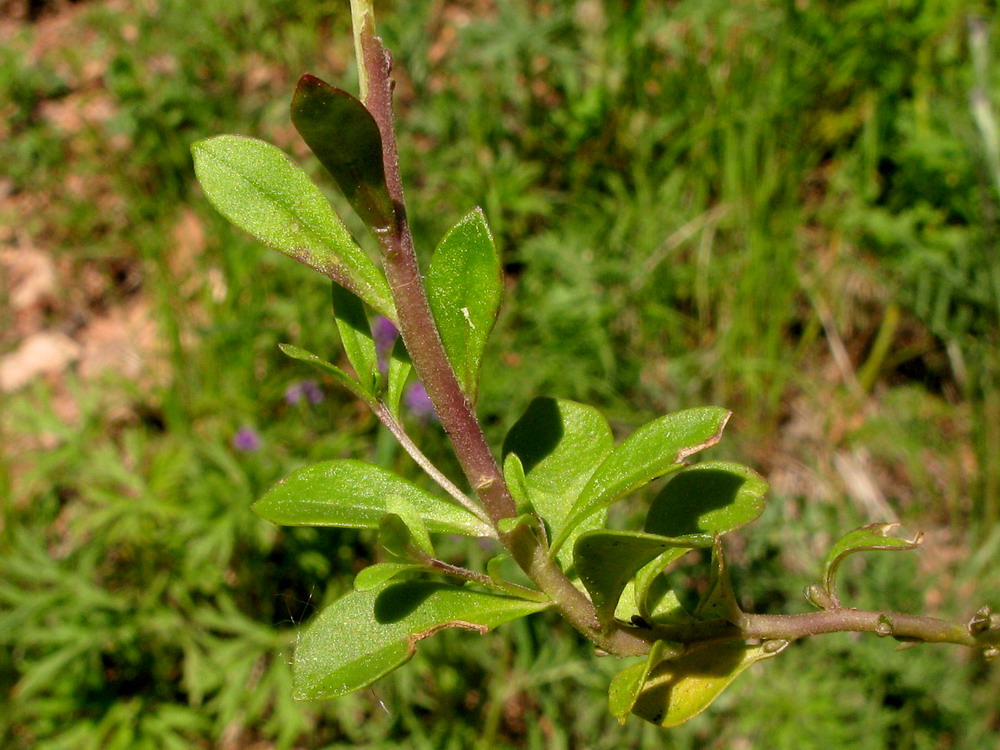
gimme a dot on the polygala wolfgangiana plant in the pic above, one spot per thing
(546, 500)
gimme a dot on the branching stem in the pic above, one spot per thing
(386, 418)
(458, 417)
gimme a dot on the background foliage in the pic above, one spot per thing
(786, 208)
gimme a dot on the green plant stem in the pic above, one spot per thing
(362, 11)
(843, 620)
(417, 325)
(895, 624)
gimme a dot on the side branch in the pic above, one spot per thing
(903, 627)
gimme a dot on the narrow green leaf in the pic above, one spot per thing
(399, 370)
(345, 138)
(870, 538)
(356, 336)
(681, 688)
(321, 364)
(607, 560)
(375, 576)
(713, 497)
(719, 601)
(259, 189)
(560, 444)
(353, 494)
(464, 289)
(513, 474)
(651, 451)
(367, 634)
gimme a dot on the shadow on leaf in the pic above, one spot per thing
(536, 434)
(683, 506)
(401, 599)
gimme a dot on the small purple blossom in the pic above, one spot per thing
(384, 332)
(246, 440)
(306, 389)
(419, 403)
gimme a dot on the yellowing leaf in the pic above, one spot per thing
(681, 688)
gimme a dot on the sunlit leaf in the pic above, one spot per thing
(607, 560)
(257, 187)
(345, 138)
(560, 444)
(713, 497)
(681, 688)
(375, 576)
(464, 289)
(367, 634)
(356, 337)
(353, 494)
(873, 537)
(651, 451)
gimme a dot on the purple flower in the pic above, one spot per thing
(419, 403)
(246, 440)
(307, 389)
(384, 332)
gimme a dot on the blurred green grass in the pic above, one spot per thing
(784, 208)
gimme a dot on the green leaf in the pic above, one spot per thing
(395, 536)
(681, 688)
(873, 537)
(464, 289)
(400, 506)
(651, 585)
(651, 451)
(375, 576)
(666, 608)
(367, 634)
(627, 684)
(353, 494)
(624, 689)
(560, 444)
(719, 601)
(356, 336)
(257, 187)
(321, 364)
(713, 497)
(399, 370)
(345, 138)
(513, 474)
(607, 560)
